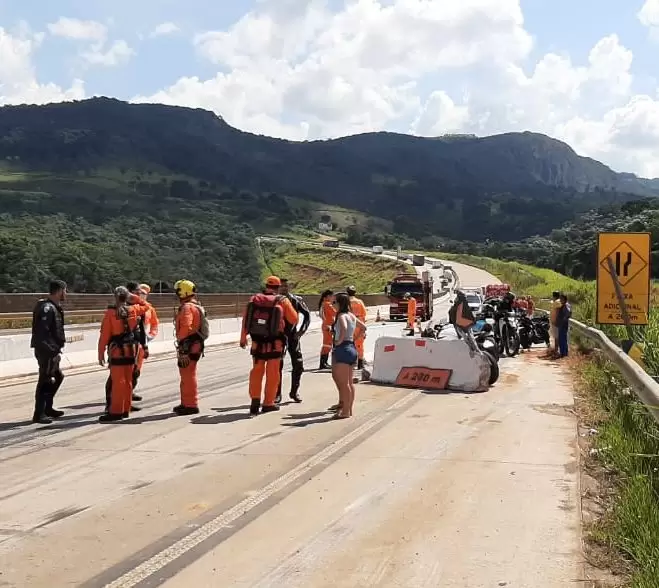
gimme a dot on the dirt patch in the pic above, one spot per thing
(604, 566)
(554, 409)
(506, 379)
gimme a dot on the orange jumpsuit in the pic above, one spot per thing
(411, 313)
(152, 322)
(190, 344)
(118, 336)
(267, 358)
(151, 326)
(328, 316)
(359, 310)
(531, 306)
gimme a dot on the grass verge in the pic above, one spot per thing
(620, 442)
(313, 269)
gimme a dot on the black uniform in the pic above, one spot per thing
(48, 340)
(293, 336)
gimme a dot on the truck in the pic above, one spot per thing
(419, 260)
(330, 243)
(420, 287)
(436, 264)
(496, 290)
(377, 249)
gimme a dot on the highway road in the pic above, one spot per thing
(416, 490)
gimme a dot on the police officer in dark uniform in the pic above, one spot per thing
(48, 340)
(293, 336)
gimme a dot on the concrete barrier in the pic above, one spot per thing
(429, 364)
(17, 358)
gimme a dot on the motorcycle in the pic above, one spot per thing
(504, 327)
(533, 331)
(509, 337)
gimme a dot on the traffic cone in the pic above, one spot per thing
(377, 317)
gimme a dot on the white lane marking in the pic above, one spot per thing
(185, 544)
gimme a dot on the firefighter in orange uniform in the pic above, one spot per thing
(358, 308)
(531, 306)
(265, 321)
(411, 311)
(119, 335)
(152, 323)
(191, 332)
(327, 314)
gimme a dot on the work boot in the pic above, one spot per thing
(110, 418)
(272, 408)
(278, 398)
(360, 364)
(295, 397)
(323, 362)
(134, 408)
(53, 413)
(136, 398)
(254, 407)
(181, 410)
(41, 419)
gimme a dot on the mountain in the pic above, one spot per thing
(154, 189)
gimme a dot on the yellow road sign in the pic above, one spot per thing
(630, 254)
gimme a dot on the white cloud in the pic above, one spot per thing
(117, 54)
(293, 68)
(18, 82)
(165, 28)
(79, 30)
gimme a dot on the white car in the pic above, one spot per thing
(474, 301)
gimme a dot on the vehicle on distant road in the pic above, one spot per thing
(419, 260)
(436, 264)
(330, 243)
(420, 287)
(378, 249)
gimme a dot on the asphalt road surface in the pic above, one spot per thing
(417, 490)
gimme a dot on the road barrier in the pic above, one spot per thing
(429, 364)
(645, 387)
(89, 308)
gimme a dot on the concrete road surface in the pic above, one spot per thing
(416, 490)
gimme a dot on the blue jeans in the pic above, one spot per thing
(563, 340)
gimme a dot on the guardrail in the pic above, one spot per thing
(639, 381)
(644, 385)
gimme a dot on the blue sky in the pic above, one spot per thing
(304, 69)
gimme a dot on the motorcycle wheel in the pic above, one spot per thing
(524, 340)
(494, 368)
(511, 341)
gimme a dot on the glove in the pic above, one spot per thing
(183, 361)
(101, 359)
(146, 353)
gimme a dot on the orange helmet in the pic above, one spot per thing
(273, 281)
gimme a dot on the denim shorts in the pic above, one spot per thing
(345, 353)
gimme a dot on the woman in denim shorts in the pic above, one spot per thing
(344, 355)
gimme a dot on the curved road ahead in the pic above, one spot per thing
(417, 490)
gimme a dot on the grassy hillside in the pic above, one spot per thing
(313, 269)
(506, 186)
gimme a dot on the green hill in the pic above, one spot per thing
(99, 190)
